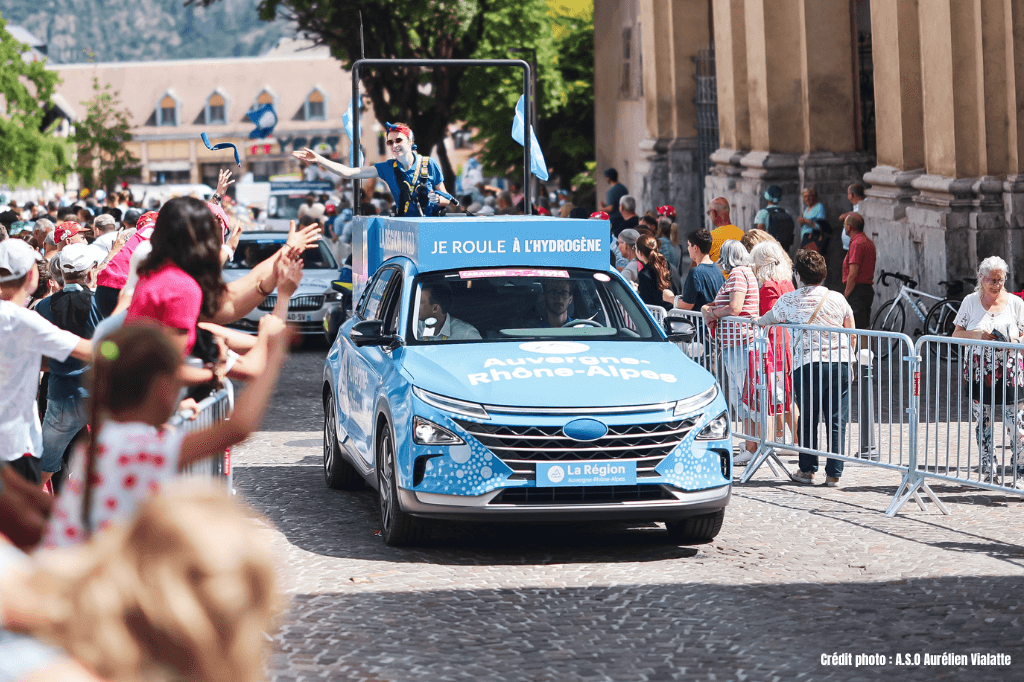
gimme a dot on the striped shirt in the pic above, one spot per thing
(741, 279)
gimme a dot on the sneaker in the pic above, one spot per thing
(831, 482)
(741, 457)
(805, 477)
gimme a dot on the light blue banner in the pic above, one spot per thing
(472, 243)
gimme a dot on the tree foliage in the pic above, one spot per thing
(429, 100)
(564, 42)
(101, 139)
(25, 89)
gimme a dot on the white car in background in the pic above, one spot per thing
(312, 301)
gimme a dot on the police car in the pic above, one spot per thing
(311, 303)
(500, 369)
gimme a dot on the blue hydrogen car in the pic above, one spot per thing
(501, 369)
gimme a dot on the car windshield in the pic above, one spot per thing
(523, 304)
(251, 253)
(285, 206)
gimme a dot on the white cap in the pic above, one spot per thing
(80, 257)
(18, 257)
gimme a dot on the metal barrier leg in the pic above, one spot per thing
(914, 484)
(766, 453)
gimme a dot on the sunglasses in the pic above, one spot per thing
(392, 143)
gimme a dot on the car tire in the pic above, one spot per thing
(696, 530)
(338, 474)
(397, 527)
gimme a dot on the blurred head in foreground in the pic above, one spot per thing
(184, 591)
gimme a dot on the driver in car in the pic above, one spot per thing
(557, 299)
(435, 301)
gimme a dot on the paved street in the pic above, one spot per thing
(797, 572)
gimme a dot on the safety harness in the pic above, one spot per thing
(405, 189)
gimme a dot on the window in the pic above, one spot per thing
(215, 109)
(532, 305)
(168, 111)
(625, 87)
(374, 293)
(315, 106)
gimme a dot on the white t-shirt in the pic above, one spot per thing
(1009, 321)
(798, 306)
(133, 461)
(106, 240)
(25, 338)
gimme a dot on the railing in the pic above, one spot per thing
(215, 408)
(930, 411)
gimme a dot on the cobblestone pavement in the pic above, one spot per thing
(797, 572)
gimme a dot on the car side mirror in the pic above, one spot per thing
(679, 330)
(340, 287)
(370, 333)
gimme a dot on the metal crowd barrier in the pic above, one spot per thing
(214, 408)
(971, 414)
(854, 389)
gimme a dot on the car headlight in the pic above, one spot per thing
(333, 297)
(447, 404)
(717, 428)
(428, 433)
(696, 402)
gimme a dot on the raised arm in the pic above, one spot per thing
(310, 156)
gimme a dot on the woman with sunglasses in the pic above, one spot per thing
(404, 174)
(992, 313)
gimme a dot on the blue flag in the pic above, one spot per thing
(346, 121)
(537, 165)
(264, 118)
(221, 145)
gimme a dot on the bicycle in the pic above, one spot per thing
(935, 318)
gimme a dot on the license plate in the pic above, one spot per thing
(561, 474)
(299, 317)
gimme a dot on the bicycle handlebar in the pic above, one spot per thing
(884, 279)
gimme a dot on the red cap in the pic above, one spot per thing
(330, 209)
(667, 211)
(543, 211)
(66, 230)
(600, 215)
(146, 220)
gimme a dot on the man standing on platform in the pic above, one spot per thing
(615, 192)
(859, 270)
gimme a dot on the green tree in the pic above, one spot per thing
(564, 40)
(26, 88)
(101, 139)
(428, 100)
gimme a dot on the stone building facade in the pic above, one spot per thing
(942, 156)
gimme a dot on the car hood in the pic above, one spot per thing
(313, 281)
(557, 374)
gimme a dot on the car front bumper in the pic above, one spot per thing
(678, 505)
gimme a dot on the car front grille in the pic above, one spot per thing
(522, 447)
(306, 303)
(583, 495)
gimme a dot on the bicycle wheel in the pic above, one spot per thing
(940, 323)
(891, 317)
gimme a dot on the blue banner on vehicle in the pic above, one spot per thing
(602, 472)
(487, 242)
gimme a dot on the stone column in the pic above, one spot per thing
(673, 33)
(795, 126)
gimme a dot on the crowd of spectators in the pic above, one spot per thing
(111, 320)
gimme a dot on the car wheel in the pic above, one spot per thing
(397, 527)
(338, 474)
(696, 530)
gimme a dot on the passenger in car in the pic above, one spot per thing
(436, 299)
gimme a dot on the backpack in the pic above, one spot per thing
(781, 226)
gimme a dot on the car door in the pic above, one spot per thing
(363, 369)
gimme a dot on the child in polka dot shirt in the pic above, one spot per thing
(135, 391)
